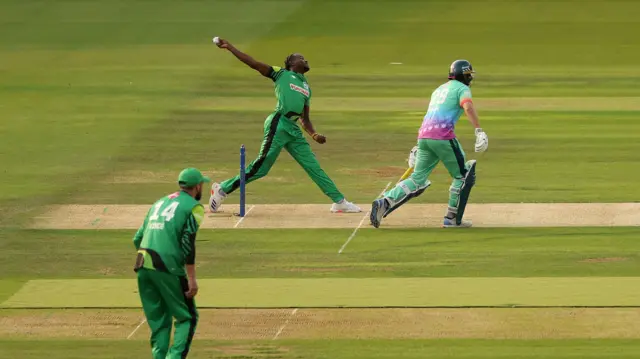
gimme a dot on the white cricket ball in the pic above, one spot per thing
(216, 40)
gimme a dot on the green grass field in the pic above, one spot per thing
(104, 102)
(345, 349)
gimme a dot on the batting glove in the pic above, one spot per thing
(412, 156)
(482, 141)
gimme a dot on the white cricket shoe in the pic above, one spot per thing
(217, 197)
(345, 206)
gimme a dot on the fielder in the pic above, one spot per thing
(437, 142)
(165, 266)
(281, 130)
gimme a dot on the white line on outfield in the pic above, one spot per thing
(242, 218)
(144, 320)
(353, 234)
(293, 312)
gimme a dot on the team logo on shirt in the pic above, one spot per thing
(158, 225)
(300, 89)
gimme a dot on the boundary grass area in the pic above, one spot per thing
(335, 349)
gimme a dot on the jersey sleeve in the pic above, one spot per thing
(188, 242)
(465, 96)
(137, 238)
(275, 73)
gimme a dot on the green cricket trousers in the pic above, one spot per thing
(430, 152)
(281, 132)
(163, 299)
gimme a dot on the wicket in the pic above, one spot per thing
(242, 181)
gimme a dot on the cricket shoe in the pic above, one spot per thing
(345, 206)
(378, 208)
(217, 197)
(451, 223)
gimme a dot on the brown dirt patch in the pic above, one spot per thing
(317, 269)
(277, 179)
(107, 271)
(461, 323)
(251, 351)
(134, 177)
(381, 172)
(318, 216)
(68, 323)
(422, 324)
(260, 324)
(235, 349)
(604, 260)
(333, 269)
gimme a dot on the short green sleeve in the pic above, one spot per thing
(275, 73)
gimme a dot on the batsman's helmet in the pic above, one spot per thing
(462, 71)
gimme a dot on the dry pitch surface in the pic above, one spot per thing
(260, 324)
(318, 216)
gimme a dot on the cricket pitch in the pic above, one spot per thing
(276, 324)
(277, 216)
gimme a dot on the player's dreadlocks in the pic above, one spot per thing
(288, 60)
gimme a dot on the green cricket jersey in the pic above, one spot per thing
(292, 91)
(167, 237)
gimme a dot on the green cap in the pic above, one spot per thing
(191, 176)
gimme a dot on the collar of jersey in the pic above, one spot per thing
(300, 76)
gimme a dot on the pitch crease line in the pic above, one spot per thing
(144, 320)
(245, 216)
(285, 324)
(353, 234)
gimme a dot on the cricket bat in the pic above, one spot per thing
(406, 174)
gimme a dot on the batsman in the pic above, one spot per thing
(437, 142)
(165, 266)
(281, 130)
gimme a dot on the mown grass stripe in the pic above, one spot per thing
(347, 292)
(388, 104)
